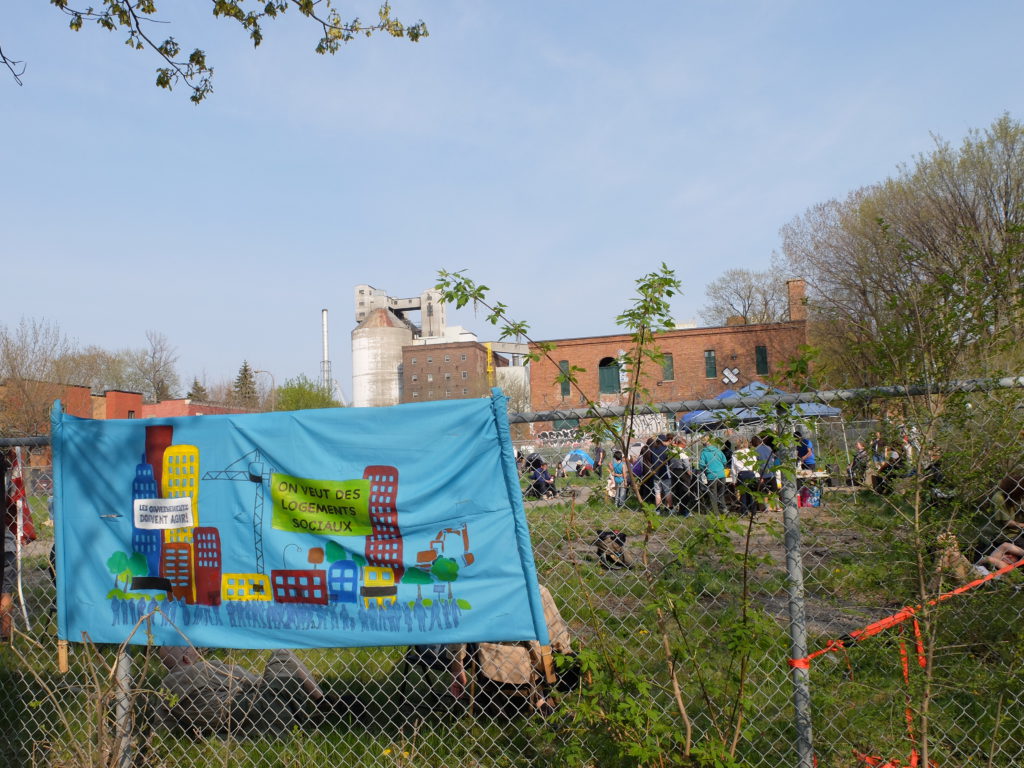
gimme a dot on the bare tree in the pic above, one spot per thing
(155, 368)
(920, 276)
(30, 376)
(757, 297)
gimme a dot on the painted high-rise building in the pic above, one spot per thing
(206, 565)
(384, 544)
(146, 541)
(181, 480)
(158, 440)
(176, 567)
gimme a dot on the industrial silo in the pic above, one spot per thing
(377, 358)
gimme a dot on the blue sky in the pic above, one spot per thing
(555, 150)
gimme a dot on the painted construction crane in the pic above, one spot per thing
(253, 469)
(425, 559)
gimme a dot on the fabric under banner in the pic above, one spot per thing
(326, 528)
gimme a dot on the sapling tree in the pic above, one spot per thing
(608, 710)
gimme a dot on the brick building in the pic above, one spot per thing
(699, 362)
(448, 371)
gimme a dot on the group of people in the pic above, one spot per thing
(880, 461)
(734, 473)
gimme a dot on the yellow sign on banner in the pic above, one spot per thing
(326, 507)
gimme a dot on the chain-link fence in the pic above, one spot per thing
(866, 610)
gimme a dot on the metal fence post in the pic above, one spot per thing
(797, 624)
(123, 709)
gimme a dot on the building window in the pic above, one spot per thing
(415, 377)
(565, 424)
(465, 374)
(430, 393)
(668, 367)
(465, 391)
(447, 376)
(430, 377)
(463, 358)
(563, 366)
(447, 358)
(131, 414)
(412, 361)
(710, 366)
(430, 359)
(761, 359)
(415, 394)
(608, 376)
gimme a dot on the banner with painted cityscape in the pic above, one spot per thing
(327, 528)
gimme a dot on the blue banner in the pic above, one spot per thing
(339, 527)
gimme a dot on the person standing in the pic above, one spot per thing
(712, 465)
(804, 451)
(618, 467)
(744, 461)
(599, 457)
(661, 475)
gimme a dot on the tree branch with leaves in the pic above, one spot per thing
(136, 18)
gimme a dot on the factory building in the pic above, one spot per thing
(448, 371)
(697, 363)
(394, 360)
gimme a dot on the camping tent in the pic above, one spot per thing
(575, 457)
(716, 416)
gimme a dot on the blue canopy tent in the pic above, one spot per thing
(716, 416)
(575, 457)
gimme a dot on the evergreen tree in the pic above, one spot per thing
(244, 388)
(198, 392)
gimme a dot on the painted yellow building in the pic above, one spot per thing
(181, 479)
(245, 586)
(378, 586)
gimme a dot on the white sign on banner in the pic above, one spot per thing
(159, 514)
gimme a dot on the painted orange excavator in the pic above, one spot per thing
(439, 546)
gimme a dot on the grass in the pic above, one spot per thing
(858, 568)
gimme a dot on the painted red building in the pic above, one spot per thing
(176, 567)
(206, 564)
(299, 586)
(384, 544)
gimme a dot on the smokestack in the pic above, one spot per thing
(325, 365)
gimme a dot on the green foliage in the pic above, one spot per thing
(137, 565)
(920, 278)
(117, 563)
(335, 551)
(135, 17)
(416, 576)
(445, 569)
(243, 391)
(301, 393)
(197, 392)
